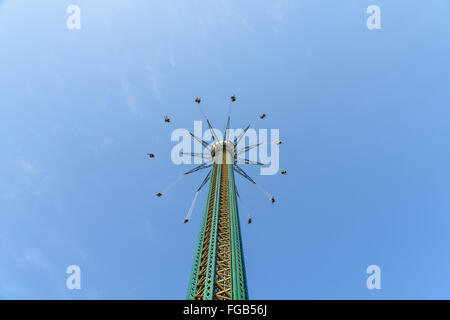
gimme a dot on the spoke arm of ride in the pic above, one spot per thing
(246, 161)
(227, 128)
(242, 173)
(236, 140)
(193, 154)
(243, 150)
(204, 181)
(204, 143)
(212, 130)
(200, 167)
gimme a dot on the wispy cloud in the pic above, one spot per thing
(277, 11)
(128, 90)
(154, 79)
(236, 14)
(29, 167)
(154, 83)
(172, 61)
(26, 258)
(107, 141)
(35, 258)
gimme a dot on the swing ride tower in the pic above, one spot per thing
(218, 271)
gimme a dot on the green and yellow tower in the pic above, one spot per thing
(218, 271)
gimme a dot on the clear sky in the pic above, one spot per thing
(363, 114)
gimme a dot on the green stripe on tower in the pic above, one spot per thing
(192, 290)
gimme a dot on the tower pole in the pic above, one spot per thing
(218, 270)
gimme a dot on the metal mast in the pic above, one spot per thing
(218, 271)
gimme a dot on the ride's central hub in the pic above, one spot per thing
(220, 148)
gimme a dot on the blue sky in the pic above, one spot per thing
(363, 115)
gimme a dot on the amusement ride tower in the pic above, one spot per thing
(218, 270)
